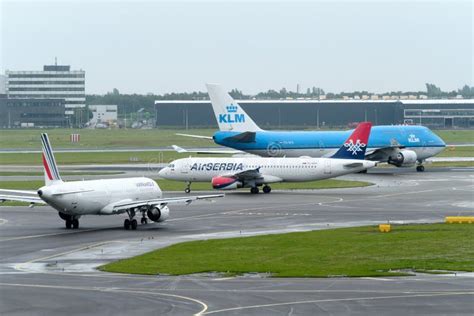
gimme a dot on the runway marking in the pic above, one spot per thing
(3, 221)
(51, 234)
(224, 279)
(377, 279)
(334, 300)
(116, 290)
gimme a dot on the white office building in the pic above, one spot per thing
(103, 114)
(55, 81)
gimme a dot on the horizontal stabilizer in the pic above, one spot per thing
(21, 198)
(194, 136)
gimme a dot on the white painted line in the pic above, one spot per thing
(377, 279)
(115, 290)
(335, 300)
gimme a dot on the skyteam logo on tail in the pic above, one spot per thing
(354, 148)
(231, 116)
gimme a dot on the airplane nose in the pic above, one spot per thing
(162, 172)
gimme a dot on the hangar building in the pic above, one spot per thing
(311, 114)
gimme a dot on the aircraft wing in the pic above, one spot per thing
(194, 136)
(215, 152)
(381, 154)
(21, 198)
(251, 174)
(163, 201)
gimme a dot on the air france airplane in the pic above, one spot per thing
(98, 197)
(249, 172)
(401, 146)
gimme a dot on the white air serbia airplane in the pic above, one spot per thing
(252, 172)
(98, 197)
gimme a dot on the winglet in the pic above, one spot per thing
(51, 173)
(355, 146)
(229, 115)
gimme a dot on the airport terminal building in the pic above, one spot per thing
(55, 81)
(313, 114)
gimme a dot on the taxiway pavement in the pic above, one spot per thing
(46, 269)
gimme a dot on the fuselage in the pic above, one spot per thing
(272, 169)
(97, 196)
(324, 143)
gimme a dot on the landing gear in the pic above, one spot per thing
(267, 189)
(420, 168)
(144, 219)
(188, 187)
(75, 223)
(72, 223)
(130, 222)
(254, 190)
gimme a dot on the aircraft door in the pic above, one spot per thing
(185, 167)
(327, 166)
(321, 148)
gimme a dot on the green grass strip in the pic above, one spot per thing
(354, 252)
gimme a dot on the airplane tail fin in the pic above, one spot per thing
(51, 173)
(355, 146)
(229, 115)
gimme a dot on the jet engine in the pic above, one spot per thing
(226, 183)
(65, 217)
(158, 214)
(403, 158)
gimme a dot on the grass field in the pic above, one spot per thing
(457, 152)
(456, 136)
(93, 158)
(103, 138)
(355, 252)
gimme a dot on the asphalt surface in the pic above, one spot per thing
(46, 269)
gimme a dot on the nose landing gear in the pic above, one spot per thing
(188, 187)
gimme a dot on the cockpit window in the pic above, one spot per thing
(171, 165)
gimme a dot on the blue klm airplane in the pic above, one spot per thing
(399, 145)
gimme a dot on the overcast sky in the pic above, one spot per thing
(166, 46)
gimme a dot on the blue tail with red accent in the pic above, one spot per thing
(355, 146)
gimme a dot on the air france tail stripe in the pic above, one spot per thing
(51, 163)
(46, 168)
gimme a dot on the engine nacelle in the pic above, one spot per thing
(158, 214)
(225, 183)
(403, 158)
(65, 217)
